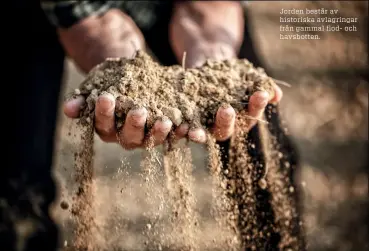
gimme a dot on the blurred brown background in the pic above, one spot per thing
(325, 110)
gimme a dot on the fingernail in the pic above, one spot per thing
(261, 99)
(262, 96)
(75, 101)
(165, 123)
(107, 96)
(139, 112)
(73, 106)
(226, 114)
(197, 135)
(105, 104)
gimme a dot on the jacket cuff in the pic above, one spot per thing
(65, 14)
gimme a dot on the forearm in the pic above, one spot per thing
(91, 31)
(215, 22)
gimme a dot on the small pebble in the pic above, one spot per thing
(94, 92)
(287, 213)
(64, 205)
(119, 124)
(89, 87)
(262, 184)
(291, 189)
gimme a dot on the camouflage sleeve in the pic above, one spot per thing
(66, 13)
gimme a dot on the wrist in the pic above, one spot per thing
(65, 14)
(196, 25)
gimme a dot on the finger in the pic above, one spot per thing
(278, 94)
(160, 130)
(104, 117)
(224, 123)
(257, 104)
(73, 106)
(181, 131)
(133, 132)
(197, 135)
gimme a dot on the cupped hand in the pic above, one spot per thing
(88, 43)
(132, 134)
(205, 36)
(226, 116)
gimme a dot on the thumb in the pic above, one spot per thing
(216, 51)
(195, 59)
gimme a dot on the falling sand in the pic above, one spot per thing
(240, 185)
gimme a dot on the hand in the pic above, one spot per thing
(89, 43)
(204, 35)
(132, 134)
(225, 117)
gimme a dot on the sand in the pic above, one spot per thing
(192, 96)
